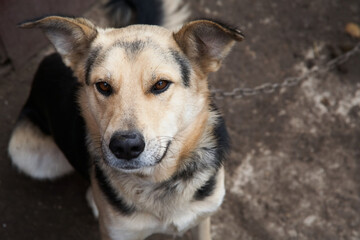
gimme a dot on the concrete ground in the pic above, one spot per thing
(294, 168)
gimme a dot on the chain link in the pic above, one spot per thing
(287, 82)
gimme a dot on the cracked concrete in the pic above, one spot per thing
(293, 172)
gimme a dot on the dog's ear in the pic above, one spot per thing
(207, 43)
(70, 36)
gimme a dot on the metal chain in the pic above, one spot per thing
(287, 82)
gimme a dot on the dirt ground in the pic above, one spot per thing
(294, 168)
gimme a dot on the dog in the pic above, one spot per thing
(130, 109)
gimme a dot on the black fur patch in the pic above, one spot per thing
(206, 190)
(184, 175)
(114, 199)
(90, 62)
(188, 170)
(52, 107)
(184, 67)
(221, 136)
(223, 142)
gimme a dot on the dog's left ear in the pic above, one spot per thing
(70, 36)
(207, 43)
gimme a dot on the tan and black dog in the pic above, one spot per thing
(131, 109)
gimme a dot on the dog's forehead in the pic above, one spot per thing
(135, 33)
(144, 44)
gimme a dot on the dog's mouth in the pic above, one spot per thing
(149, 158)
(165, 152)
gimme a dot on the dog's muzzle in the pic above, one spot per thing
(127, 145)
(128, 151)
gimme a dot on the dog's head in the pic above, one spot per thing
(144, 92)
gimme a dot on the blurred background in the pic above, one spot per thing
(294, 168)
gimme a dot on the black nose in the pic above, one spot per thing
(127, 145)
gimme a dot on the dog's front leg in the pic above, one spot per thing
(202, 231)
(113, 228)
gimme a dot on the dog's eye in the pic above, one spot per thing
(104, 88)
(160, 86)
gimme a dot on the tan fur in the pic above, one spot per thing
(192, 134)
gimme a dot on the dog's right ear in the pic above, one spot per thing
(70, 36)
